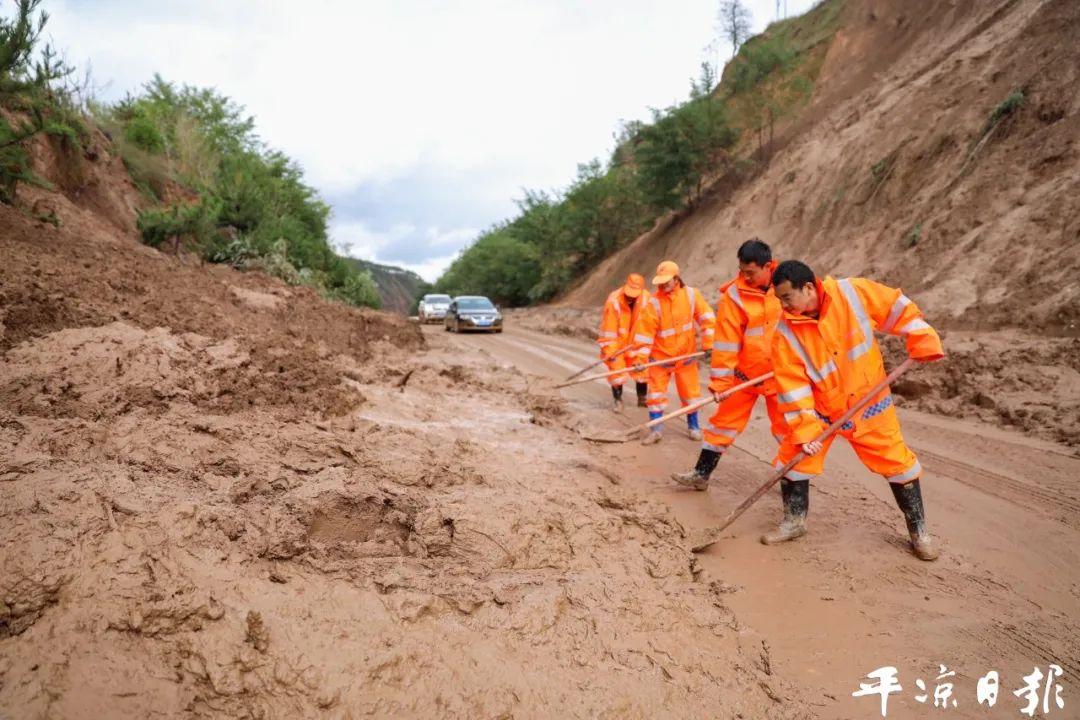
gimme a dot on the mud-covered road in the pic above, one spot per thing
(849, 598)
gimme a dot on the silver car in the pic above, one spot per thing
(432, 308)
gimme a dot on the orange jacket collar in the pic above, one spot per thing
(740, 281)
(824, 302)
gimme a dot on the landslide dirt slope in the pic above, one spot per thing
(225, 497)
(890, 172)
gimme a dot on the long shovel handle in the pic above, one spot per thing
(713, 535)
(694, 406)
(598, 362)
(599, 376)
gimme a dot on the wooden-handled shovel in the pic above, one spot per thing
(614, 355)
(632, 368)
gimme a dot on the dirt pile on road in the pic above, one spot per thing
(225, 497)
(568, 321)
(1004, 378)
(939, 154)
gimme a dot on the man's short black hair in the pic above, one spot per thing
(795, 272)
(755, 251)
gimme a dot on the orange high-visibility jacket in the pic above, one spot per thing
(666, 327)
(746, 318)
(618, 320)
(825, 366)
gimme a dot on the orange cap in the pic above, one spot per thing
(664, 272)
(634, 285)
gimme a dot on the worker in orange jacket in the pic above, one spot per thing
(826, 359)
(666, 329)
(621, 311)
(746, 317)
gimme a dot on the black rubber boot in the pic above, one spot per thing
(616, 394)
(698, 478)
(642, 391)
(796, 494)
(909, 500)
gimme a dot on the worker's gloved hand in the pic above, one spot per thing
(638, 367)
(812, 448)
(717, 396)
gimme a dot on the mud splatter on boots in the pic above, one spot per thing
(616, 394)
(796, 494)
(698, 478)
(909, 499)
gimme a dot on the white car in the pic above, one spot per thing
(432, 308)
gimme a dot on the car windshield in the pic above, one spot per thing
(433, 299)
(474, 304)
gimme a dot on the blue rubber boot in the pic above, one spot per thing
(693, 426)
(655, 434)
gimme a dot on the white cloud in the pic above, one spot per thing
(488, 95)
(431, 269)
(358, 240)
(394, 247)
(455, 238)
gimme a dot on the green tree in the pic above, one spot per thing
(25, 87)
(496, 265)
(735, 21)
(682, 145)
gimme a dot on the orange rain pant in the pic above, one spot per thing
(879, 445)
(732, 415)
(687, 383)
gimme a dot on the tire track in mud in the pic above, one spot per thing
(576, 346)
(560, 357)
(1056, 505)
(564, 359)
(1030, 642)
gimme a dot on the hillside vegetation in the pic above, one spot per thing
(939, 153)
(662, 168)
(209, 185)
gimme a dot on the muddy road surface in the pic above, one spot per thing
(226, 498)
(849, 598)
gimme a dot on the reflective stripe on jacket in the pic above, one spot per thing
(824, 366)
(746, 319)
(618, 320)
(669, 324)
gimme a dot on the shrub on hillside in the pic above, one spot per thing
(193, 226)
(256, 210)
(359, 289)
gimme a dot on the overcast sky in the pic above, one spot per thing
(418, 121)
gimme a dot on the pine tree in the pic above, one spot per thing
(26, 83)
(735, 22)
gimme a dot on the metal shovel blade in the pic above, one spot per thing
(612, 438)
